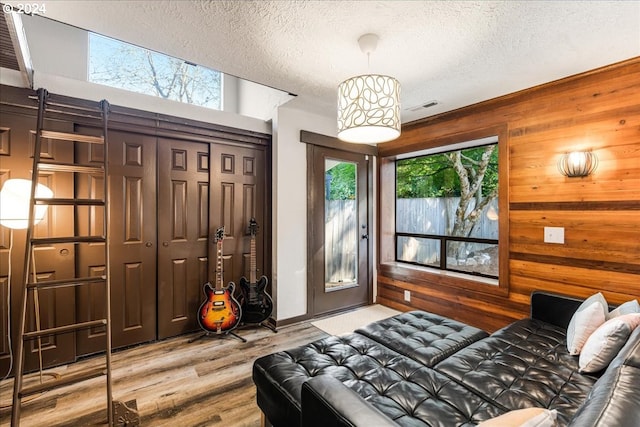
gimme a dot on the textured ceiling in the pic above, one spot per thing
(454, 52)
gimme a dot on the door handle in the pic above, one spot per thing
(148, 244)
(365, 236)
(165, 244)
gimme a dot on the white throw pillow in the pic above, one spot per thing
(591, 314)
(528, 417)
(626, 308)
(605, 343)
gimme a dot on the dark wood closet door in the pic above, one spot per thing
(237, 195)
(183, 230)
(132, 167)
(17, 138)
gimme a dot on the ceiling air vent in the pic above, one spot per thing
(423, 106)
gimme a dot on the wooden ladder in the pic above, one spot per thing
(32, 285)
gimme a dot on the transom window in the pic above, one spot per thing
(126, 66)
(447, 210)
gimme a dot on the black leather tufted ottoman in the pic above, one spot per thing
(425, 337)
(279, 376)
(403, 389)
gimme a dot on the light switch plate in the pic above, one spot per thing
(554, 235)
(407, 296)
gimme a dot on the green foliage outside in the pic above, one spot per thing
(470, 174)
(341, 180)
(435, 176)
(422, 177)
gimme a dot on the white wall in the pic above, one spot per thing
(57, 49)
(230, 93)
(290, 207)
(11, 78)
(256, 100)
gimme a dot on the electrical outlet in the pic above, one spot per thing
(407, 296)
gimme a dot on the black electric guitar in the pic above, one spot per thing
(256, 303)
(220, 312)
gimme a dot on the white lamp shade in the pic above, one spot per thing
(577, 163)
(14, 203)
(369, 109)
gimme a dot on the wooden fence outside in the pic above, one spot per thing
(420, 216)
(341, 241)
(437, 215)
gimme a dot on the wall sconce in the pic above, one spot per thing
(577, 163)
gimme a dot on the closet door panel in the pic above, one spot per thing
(132, 170)
(134, 242)
(237, 195)
(17, 139)
(183, 230)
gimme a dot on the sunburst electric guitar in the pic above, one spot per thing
(256, 303)
(220, 312)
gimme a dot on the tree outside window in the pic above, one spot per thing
(447, 211)
(126, 66)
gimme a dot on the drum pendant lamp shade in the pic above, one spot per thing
(369, 104)
(369, 109)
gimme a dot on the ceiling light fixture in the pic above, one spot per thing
(369, 105)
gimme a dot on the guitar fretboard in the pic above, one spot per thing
(252, 271)
(219, 278)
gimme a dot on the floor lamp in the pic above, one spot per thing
(15, 200)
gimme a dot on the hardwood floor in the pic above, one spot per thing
(173, 382)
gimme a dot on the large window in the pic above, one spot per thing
(447, 210)
(126, 66)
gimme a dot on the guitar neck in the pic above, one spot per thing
(252, 271)
(219, 265)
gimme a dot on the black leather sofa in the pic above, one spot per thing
(421, 369)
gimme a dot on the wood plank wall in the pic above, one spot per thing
(598, 111)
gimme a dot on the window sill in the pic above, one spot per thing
(429, 276)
